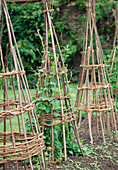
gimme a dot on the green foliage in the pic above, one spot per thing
(113, 75)
(67, 35)
(32, 80)
(27, 18)
(45, 104)
(104, 17)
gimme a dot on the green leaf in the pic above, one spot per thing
(70, 152)
(42, 107)
(56, 115)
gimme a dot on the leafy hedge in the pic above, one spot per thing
(28, 18)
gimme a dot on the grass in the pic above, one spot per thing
(11, 93)
(73, 91)
(14, 125)
(14, 119)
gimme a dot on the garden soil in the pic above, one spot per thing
(97, 157)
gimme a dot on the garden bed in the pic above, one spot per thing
(98, 156)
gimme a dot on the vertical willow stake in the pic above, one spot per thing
(94, 96)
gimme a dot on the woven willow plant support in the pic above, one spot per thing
(17, 146)
(64, 113)
(94, 96)
(114, 53)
